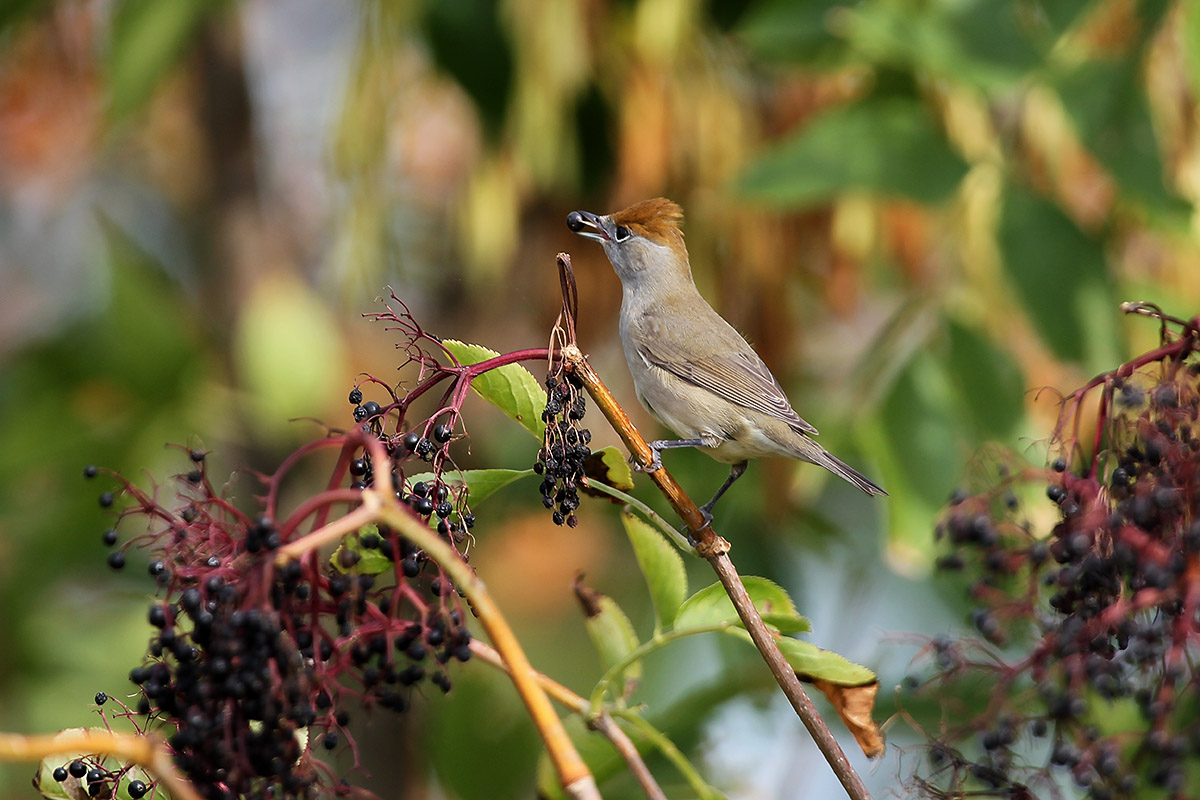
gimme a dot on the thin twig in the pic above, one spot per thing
(715, 550)
(602, 722)
(380, 505)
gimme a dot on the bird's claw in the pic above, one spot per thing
(655, 463)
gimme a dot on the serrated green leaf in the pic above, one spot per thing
(889, 146)
(370, 560)
(711, 606)
(614, 638)
(510, 388)
(661, 566)
(481, 483)
(811, 661)
(611, 466)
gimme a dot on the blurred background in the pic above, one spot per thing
(922, 212)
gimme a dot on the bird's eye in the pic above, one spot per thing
(623, 233)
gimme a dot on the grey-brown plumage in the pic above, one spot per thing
(690, 368)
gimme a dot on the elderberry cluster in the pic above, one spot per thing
(255, 663)
(1101, 610)
(565, 449)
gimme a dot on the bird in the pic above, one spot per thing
(691, 369)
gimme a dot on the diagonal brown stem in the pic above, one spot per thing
(716, 551)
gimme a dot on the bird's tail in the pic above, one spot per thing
(816, 454)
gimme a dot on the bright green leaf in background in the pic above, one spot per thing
(888, 146)
(661, 566)
(287, 349)
(510, 388)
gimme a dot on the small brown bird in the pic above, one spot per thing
(692, 371)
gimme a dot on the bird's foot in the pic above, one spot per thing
(687, 531)
(654, 466)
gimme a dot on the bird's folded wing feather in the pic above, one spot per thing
(738, 376)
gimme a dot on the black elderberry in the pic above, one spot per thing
(360, 413)
(109, 537)
(116, 560)
(330, 740)
(370, 409)
(137, 789)
(77, 769)
(90, 471)
(358, 467)
(101, 698)
(442, 433)
(411, 441)
(356, 396)
(106, 499)
(425, 449)
(60, 774)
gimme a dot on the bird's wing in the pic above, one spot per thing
(735, 374)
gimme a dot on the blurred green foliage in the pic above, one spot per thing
(919, 210)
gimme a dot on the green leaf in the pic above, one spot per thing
(711, 606)
(610, 466)
(481, 483)
(1111, 114)
(370, 560)
(74, 788)
(811, 661)
(923, 427)
(796, 33)
(148, 36)
(990, 384)
(612, 635)
(890, 146)
(976, 42)
(51, 789)
(1056, 269)
(510, 388)
(661, 566)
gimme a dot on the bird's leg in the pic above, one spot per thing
(665, 444)
(735, 472)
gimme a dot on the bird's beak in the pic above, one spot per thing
(588, 225)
